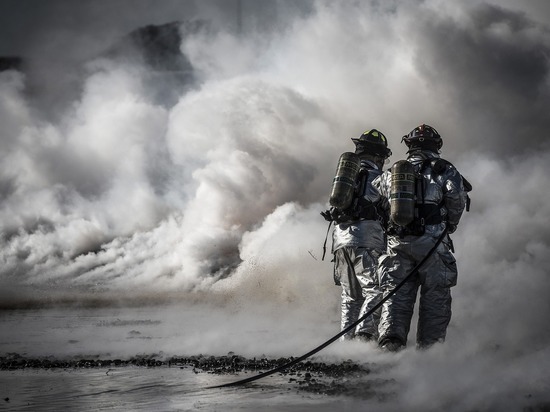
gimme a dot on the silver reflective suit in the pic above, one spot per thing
(436, 277)
(356, 246)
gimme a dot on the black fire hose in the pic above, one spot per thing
(344, 331)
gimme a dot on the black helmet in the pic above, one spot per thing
(423, 137)
(372, 142)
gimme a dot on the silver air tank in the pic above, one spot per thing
(402, 193)
(343, 185)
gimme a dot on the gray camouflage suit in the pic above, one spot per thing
(436, 277)
(357, 246)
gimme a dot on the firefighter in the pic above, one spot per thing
(358, 238)
(423, 195)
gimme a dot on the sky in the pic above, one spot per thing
(107, 192)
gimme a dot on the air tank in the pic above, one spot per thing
(402, 193)
(343, 185)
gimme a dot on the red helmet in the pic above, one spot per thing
(423, 137)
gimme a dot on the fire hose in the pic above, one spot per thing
(344, 331)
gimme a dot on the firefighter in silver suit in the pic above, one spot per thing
(440, 199)
(358, 240)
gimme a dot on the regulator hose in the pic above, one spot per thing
(344, 331)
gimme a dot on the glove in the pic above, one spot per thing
(333, 215)
(451, 228)
(327, 215)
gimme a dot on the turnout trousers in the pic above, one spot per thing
(355, 269)
(435, 279)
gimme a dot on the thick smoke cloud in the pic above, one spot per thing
(217, 195)
(498, 69)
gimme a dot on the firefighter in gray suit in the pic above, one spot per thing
(358, 240)
(439, 199)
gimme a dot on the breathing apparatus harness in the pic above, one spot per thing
(349, 185)
(410, 213)
(347, 196)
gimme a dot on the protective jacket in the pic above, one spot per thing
(440, 200)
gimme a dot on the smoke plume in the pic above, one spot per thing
(218, 192)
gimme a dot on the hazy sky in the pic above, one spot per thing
(220, 191)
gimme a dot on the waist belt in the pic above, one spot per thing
(358, 213)
(428, 214)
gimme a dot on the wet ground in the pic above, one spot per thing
(185, 383)
(129, 359)
(172, 357)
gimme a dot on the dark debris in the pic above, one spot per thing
(343, 378)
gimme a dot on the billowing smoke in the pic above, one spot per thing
(219, 192)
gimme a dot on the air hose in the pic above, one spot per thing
(344, 331)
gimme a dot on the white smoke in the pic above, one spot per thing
(221, 193)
